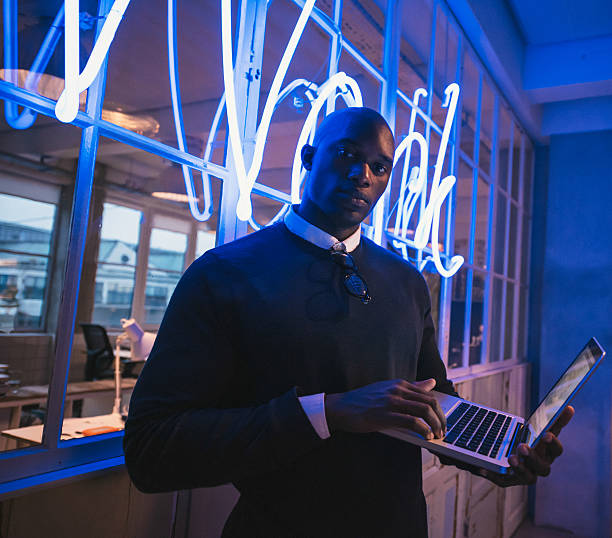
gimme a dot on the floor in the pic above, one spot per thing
(529, 530)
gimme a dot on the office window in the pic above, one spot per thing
(117, 259)
(166, 263)
(26, 235)
(205, 241)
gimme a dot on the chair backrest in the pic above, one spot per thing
(96, 337)
(99, 352)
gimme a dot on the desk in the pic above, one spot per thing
(72, 428)
(37, 394)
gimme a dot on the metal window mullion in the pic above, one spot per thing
(487, 309)
(452, 206)
(446, 289)
(142, 265)
(472, 239)
(528, 251)
(335, 48)
(248, 61)
(46, 107)
(76, 249)
(519, 256)
(388, 104)
(192, 239)
(50, 272)
(502, 335)
(327, 25)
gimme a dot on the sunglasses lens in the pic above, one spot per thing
(355, 285)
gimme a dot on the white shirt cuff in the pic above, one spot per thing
(314, 407)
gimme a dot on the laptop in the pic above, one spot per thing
(486, 437)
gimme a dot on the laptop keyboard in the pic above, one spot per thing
(477, 429)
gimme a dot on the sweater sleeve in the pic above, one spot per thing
(189, 424)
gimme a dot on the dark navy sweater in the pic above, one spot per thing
(252, 325)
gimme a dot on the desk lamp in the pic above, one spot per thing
(141, 345)
(141, 341)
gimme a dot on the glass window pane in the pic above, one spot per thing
(26, 234)
(457, 319)
(166, 261)
(513, 247)
(26, 225)
(414, 46)
(22, 291)
(167, 250)
(117, 258)
(482, 224)
(138, 96)
(445, 62)
(264, 210)
(434, 281)
(205, 241)
(463, 209)
(469, 87)
(503, 147)
(36, 184)
(525, 246)
(34, 22)
(363, 24)
(477, 318)
(509, 323)
(496, 316)
(500, 233)
(522, 329)
(486, 127)
(370, 87)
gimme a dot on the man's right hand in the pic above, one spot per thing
(387, 404)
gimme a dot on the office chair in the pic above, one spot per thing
(100, 354)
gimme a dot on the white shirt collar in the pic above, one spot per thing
(302, 228)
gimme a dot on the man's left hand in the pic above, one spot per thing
(529, 463)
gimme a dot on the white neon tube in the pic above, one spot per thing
(247, 180)
(67, 105)
(177, 113)
(413, 188)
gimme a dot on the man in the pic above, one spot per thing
(282, 354)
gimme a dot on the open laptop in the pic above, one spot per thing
(486, 437)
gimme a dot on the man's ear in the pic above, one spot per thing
(307, 156)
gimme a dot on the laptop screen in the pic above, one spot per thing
(570, 381)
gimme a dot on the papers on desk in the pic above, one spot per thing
(72, 428)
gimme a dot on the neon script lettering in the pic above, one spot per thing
(414, 182)
(67, 105)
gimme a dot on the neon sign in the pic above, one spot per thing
(414, 186)
(414, 181)
(67, 105)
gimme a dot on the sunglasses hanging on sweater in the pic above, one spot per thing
(353, 282)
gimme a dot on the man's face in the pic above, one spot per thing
(349, 169)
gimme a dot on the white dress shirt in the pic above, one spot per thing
(314, 404)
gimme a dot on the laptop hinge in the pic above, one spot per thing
(517, 438)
